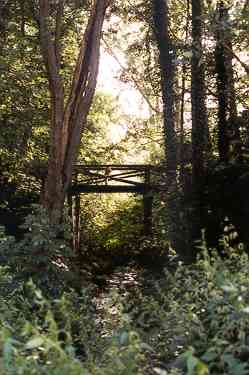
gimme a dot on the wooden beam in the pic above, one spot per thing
(136, 167)
(83, 188)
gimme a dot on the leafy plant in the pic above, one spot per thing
(43, 254)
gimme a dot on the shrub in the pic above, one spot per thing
(43, 254)
(195, 320)
(63, 336)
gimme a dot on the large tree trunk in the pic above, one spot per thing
(67, 121)
(166, 56)
(228, 132)
(199, 119)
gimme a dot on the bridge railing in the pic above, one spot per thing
(113, 174)
(113, 178)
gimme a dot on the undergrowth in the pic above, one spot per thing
(196, 320)
(193, 320)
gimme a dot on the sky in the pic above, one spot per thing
(130, 100)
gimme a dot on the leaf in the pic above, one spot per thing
(196, 367)
(235, 366)
(245, 310)
(35, 342)
(8, 351)
(160, 371)
(202, 369)
(209, 356)
(124, 339)
(188, 54)
(229, 288)
(191, 364)
(38, 294)
(146, 346)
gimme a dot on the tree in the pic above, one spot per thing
(4, 16)
(228, 132)
(199, 118)
(67, 120)
(166, 57)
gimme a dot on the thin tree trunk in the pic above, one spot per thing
(228, 132)
(182, 107)
(199, 119)
(4, 20)
(166, 57)
(181, 140)
(223, 141)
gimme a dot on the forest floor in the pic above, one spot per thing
(123, 298)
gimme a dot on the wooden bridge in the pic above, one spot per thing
(112, 178)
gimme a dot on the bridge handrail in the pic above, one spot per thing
(117, 166)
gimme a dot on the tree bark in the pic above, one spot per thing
(166, 56)
(200, 134)
(167, 69)
(68, 120)
(184, 72)
(228, 132)
(5, 6)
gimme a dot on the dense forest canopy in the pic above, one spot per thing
(124, 175)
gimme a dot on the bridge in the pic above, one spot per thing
(113, 178)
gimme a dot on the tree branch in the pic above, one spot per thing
(134, 80)
(58, 31)
(48, 47)
(245, 66)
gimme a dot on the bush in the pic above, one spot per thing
(195, 320)
(39, 336)
(43, 254)
(220, 338)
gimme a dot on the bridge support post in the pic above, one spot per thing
(74, 213)
(70, 206)
(76, 222)
(148, 201)
(70, 213)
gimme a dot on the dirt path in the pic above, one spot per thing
(119, 301)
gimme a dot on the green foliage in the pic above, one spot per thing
(113, 222)
(126, 225)
(191, 320)
(220, 338)
(100, 143)
(38, 335)
(195, 319)
(62, 336)
(43, 254)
